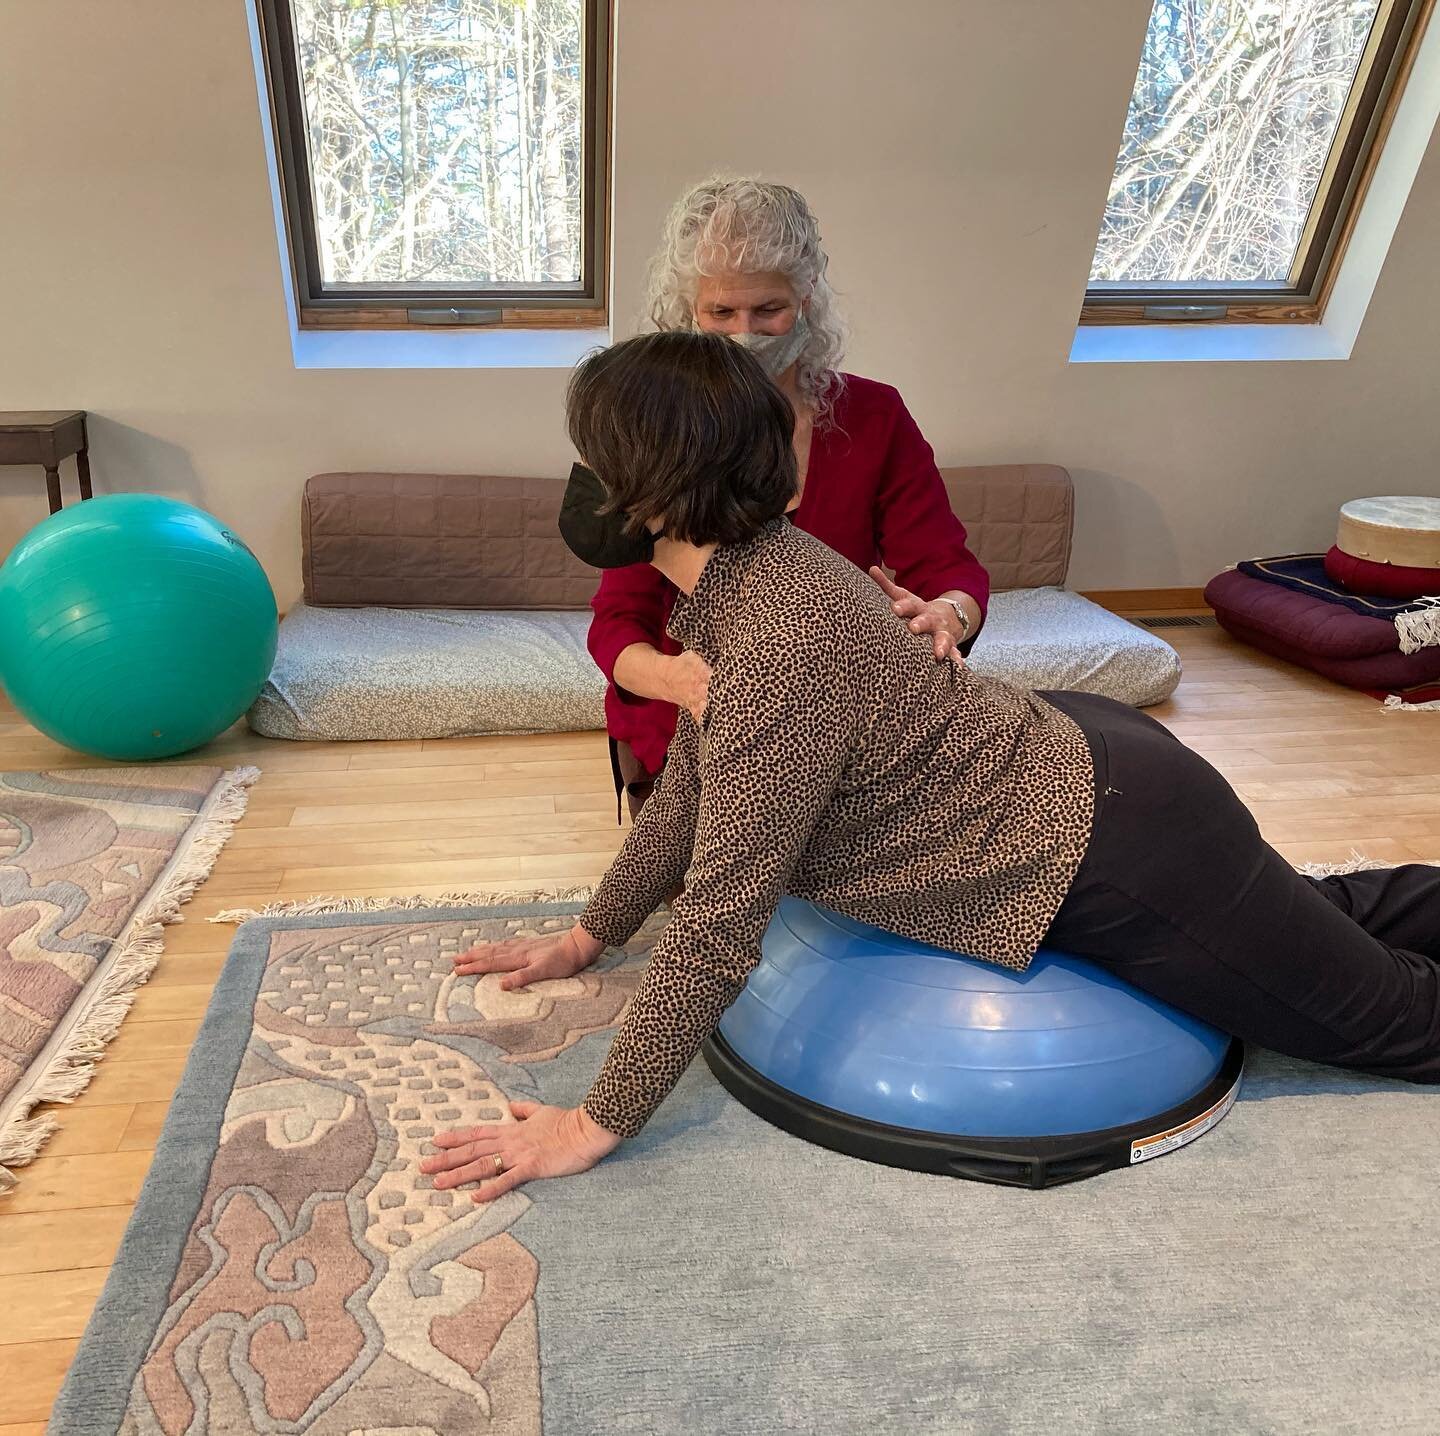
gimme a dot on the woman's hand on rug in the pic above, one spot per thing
(541, 1142)
(531, 959)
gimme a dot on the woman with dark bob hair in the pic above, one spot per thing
(838, 761)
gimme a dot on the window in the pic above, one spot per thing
(442, 161)
(1251, 135)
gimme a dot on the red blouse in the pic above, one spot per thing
(872, 493)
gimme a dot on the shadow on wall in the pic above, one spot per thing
(1122, 537)
(132, 461)
(123, 460)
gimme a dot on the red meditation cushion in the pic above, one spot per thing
(1380, 580)
(1327, 639)
(1381, 673)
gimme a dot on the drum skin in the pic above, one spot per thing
(1402, 530)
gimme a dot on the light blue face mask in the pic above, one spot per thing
(777, 352)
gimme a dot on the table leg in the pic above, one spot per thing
(52, 482)
(82, 464)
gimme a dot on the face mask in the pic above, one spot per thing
(594, 538)
(777, 352)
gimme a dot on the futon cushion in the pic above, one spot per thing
(482, 541)
(438, 541)
(1019, 519)
(1381, 580)
(1053, 638)
(362, 673)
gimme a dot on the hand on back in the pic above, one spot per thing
(935, 618)
(690, 683)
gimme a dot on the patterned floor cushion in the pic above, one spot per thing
(1053, 638)
(351, 674)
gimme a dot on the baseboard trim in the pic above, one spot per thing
(1149, 600)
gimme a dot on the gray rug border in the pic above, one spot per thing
(117, 1337)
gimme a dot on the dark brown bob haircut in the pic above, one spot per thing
(685, 426)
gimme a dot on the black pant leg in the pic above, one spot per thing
(1180, 895)
(1400, 906)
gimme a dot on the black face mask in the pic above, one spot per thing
(594, 538)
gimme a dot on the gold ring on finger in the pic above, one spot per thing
(499, 1164)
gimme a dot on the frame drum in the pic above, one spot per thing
(1403, 531)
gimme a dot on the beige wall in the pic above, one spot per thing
(956, 151)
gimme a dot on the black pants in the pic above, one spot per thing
(1179, 895)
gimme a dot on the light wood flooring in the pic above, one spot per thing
(1325, 771)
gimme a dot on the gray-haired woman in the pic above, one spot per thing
(743, 257)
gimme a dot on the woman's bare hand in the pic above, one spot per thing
(689, 680)
(531, 959)
(937, 618)
(541, 1142)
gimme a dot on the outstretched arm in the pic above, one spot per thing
(772, 761)
(656, 855)
(774, 756)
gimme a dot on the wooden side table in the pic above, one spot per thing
(45, 437)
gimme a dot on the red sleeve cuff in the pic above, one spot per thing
(609, 639)
(974, 581)
(953, 577)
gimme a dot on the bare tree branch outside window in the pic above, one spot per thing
(1236, 106)
(444, 140)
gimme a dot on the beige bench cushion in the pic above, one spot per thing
(482, 541)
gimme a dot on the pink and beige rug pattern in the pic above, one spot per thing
(93, 862)
(325, 1285)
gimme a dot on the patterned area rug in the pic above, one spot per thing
(92, 863)
(289, 1270)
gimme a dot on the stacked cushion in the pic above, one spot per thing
(1380, 580)
(1350, 648)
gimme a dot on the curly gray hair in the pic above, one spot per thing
(748, 226)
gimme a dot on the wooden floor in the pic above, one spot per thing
(1326, 772)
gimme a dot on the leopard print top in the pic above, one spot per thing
(839, 762)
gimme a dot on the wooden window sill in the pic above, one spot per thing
(358, 320)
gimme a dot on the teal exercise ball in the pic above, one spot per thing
(134, 627)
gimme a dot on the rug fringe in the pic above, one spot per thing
(1419, 627)
(1356, 863)
(326, 903)
(1394, 703)
(68, 1071)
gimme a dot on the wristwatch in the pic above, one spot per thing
(961, 615)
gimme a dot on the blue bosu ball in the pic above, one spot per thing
(893, 1050)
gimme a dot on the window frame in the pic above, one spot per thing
(468, 307)
(1365, 123)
